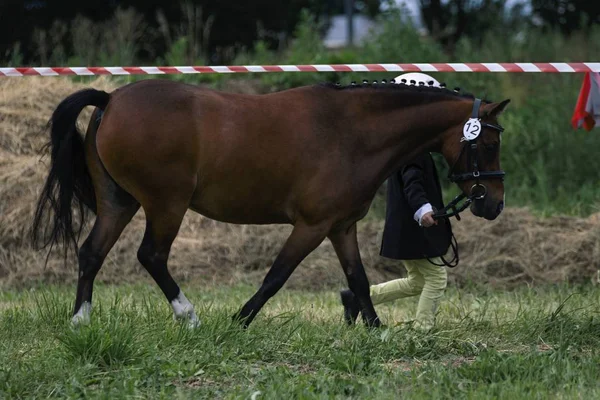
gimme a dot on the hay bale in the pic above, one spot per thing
(520, 247)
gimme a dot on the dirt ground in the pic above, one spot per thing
(516, 249)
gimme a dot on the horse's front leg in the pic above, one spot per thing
(345, 244)
(302, 241)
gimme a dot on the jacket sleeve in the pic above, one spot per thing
(413, 177)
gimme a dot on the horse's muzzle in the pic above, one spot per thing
(487, 208)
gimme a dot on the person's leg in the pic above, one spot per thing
(399, 288)
(436, 279)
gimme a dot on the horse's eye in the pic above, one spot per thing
(491, 147)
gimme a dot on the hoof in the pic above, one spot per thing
(82, 316)
(239, 320)
(193, 324)
(79, 320)
(351, 307)
(191, 321)
(374, 323)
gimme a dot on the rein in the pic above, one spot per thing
(478, 190)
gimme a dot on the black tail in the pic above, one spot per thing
(69, 182)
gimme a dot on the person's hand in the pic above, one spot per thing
(427, 220)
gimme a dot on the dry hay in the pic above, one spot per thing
(518, 248)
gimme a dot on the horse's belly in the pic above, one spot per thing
(238, 209)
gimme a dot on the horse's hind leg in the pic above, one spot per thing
(115, 209)
(161, 230)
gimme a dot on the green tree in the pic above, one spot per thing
(449, 21)
(567, 15)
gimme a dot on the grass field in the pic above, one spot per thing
(528, 343)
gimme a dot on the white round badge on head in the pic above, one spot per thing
(472, 129)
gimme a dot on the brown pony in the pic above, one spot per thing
(312, 157)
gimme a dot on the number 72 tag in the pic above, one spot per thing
(472, 129)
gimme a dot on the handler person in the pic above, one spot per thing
(412, 235)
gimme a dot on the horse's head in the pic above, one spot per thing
(473, 151)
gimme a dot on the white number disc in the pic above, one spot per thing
(472, 129)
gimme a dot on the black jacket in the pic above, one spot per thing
(411, 187)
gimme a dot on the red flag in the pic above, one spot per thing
(587, 109)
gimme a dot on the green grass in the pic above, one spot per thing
(529, 343)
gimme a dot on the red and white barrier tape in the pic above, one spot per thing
(554, 67)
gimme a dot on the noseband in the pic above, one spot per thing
(478, 190)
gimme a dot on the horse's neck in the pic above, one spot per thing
(391, 135)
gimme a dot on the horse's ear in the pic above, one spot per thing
(495, 109)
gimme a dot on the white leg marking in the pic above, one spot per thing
(82, 316)
(183, 309)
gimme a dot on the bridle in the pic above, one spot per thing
(478, 190)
